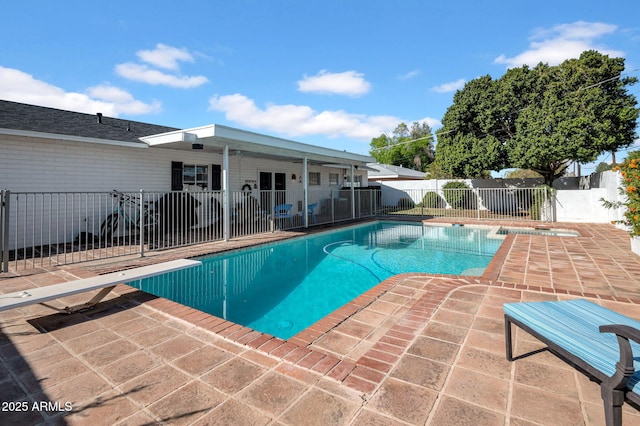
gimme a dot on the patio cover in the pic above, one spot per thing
(216, 137)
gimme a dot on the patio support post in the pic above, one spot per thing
(353, 198)
(4, 230)
(305, 193)
(225, 193)
(272, 197)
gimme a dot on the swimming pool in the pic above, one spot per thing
(284, 287)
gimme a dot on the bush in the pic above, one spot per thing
(630, 170)
(458, 195)
(539, 197)
(432, 200)
(406, 203)
(630, 191)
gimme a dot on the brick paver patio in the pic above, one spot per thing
(417, 349)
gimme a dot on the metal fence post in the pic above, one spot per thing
(141, 222)
(4, 230)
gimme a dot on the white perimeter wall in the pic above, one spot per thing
(570, 206)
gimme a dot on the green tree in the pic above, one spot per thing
(603, 167)
(408, 147)
(522, 174)
(434, 171)
(539, 118)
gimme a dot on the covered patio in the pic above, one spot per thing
(229, 142)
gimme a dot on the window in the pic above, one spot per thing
(314, 178)
(195, 175)
(334, 179)
(188, 174)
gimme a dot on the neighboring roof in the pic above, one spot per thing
(32, 118)
(388, 171)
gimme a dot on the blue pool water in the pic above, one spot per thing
(282, 288)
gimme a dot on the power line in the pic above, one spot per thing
(437, 133)
(401, 143)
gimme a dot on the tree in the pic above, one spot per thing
(539, 118)
(522, 174)
(408, 147)
(603, 167)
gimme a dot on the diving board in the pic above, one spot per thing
(105, 283)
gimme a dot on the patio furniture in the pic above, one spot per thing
(177, 211)
(311, 211)
(105, 283)
(283, 211)
(593, 339)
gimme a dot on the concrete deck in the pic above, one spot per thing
(417, 349)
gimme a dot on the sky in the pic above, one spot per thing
(333, 73)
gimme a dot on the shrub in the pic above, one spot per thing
(630, 189)
(537, 204)
(432, 200)
(458, 195)
(405, 203)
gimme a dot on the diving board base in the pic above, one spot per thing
(83, 306)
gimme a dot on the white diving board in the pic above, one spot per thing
(105, 283)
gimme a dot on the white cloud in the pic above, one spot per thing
(350, 83)
(144, 74)
(450, 87)
(164, 56)
(409, 75)
(18, 86)
(302, 120)
(561, 42)
(124, 100)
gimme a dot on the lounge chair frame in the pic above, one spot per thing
(615, 388)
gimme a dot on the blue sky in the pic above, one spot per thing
(333, 73)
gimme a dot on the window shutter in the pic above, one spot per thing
(216, 177)
(176, 176)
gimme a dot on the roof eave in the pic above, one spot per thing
(217, 135)
(70, 138)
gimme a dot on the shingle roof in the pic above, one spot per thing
(18, 116)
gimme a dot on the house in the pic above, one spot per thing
(47, 149)
(55, 151)
(386, 172)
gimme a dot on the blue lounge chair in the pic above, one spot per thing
(311, 211)
(283, 211)
(593, 339)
